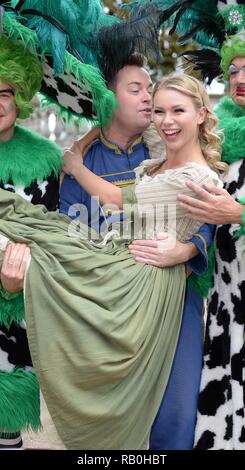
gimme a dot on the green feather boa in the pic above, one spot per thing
(201, 284)
(232, 122)
(27, 157)
(12, 309)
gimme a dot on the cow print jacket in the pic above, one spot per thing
(221, 418)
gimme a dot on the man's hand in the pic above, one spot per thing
(164, 251)
(14, 266)
(72, 159)
(216, 206)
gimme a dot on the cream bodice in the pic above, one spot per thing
(157, 198)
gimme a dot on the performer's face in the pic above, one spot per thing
(133, 89)
(8, 111)
(237, 80)
(177, 120)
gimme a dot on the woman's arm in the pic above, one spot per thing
(93, 184)
(87, 139)
(78, 146)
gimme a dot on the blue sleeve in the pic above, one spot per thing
(202, 240)
(71, 196)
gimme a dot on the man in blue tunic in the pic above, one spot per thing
(119, 149)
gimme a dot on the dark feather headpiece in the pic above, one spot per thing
(217, 25)
(79, 46)
(140, 33)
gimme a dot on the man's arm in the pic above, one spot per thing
(216, 206)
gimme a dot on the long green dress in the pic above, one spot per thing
(102, 328)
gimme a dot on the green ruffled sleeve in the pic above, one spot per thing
(128, 193)
(202, 284)
(130, 213)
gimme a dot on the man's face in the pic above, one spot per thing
(8, 111)
(237, 80)
(133, 91)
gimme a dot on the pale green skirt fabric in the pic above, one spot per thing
(102, 329)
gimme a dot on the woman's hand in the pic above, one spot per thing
(164, 251)
(72, 160)
(73, 157)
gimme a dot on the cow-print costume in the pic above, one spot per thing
(221, 422)
(14, 349)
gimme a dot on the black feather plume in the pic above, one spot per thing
(199, 20)
(207, 61)
(140, 33)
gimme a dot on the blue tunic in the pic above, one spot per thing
(174, 425)
(110, 162)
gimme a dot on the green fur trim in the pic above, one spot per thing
(27, 157)
(232, 122)
(202, 284)
(19, 401)
(233, 47)
(12, 308)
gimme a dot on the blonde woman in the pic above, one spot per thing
(103, 328)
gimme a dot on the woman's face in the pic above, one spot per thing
(176, 118)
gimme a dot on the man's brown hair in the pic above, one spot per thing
(135, 59)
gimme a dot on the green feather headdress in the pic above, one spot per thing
(44, 29)
(80, 48)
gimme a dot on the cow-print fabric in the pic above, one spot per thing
(221, 421)
(66, 91)
(14, 351)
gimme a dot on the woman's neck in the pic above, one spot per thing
(178, 159)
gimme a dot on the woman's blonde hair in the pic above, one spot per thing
(209, 136)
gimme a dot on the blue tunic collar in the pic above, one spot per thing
(112, 146)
